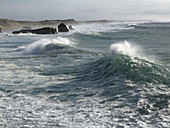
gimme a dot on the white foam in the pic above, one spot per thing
(93, 28)
(96, 28)
(39, 46)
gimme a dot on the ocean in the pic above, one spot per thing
(113, 74)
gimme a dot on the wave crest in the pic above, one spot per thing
(44, 45)
(125, 48)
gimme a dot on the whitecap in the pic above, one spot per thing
(132, 50)
(125, 48)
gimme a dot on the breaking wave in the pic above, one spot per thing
(44, 45)
(126, 60)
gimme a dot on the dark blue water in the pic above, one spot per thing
(100, 75)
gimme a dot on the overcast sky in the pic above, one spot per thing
(85, 9)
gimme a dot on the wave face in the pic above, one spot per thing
(98, 75)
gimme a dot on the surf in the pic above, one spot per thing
(98, 75)
(44, 45)
(127, 60)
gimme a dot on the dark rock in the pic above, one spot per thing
(62, 28)
(45, 30)
(0, 30)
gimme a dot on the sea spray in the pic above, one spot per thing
(125, 48)
(131, 49)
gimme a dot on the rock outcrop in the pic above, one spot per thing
(7, 25)
(45, 30)
(62, 28)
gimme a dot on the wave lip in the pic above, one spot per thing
(44, 45)
(133, 51)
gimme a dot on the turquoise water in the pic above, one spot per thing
(104, 75)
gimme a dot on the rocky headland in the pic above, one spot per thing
(11, 25)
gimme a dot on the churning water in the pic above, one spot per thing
(99, 75)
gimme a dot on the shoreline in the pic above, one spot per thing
(7, 25)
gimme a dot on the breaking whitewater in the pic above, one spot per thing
(99, 75)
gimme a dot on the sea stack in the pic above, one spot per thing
(62, 28)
